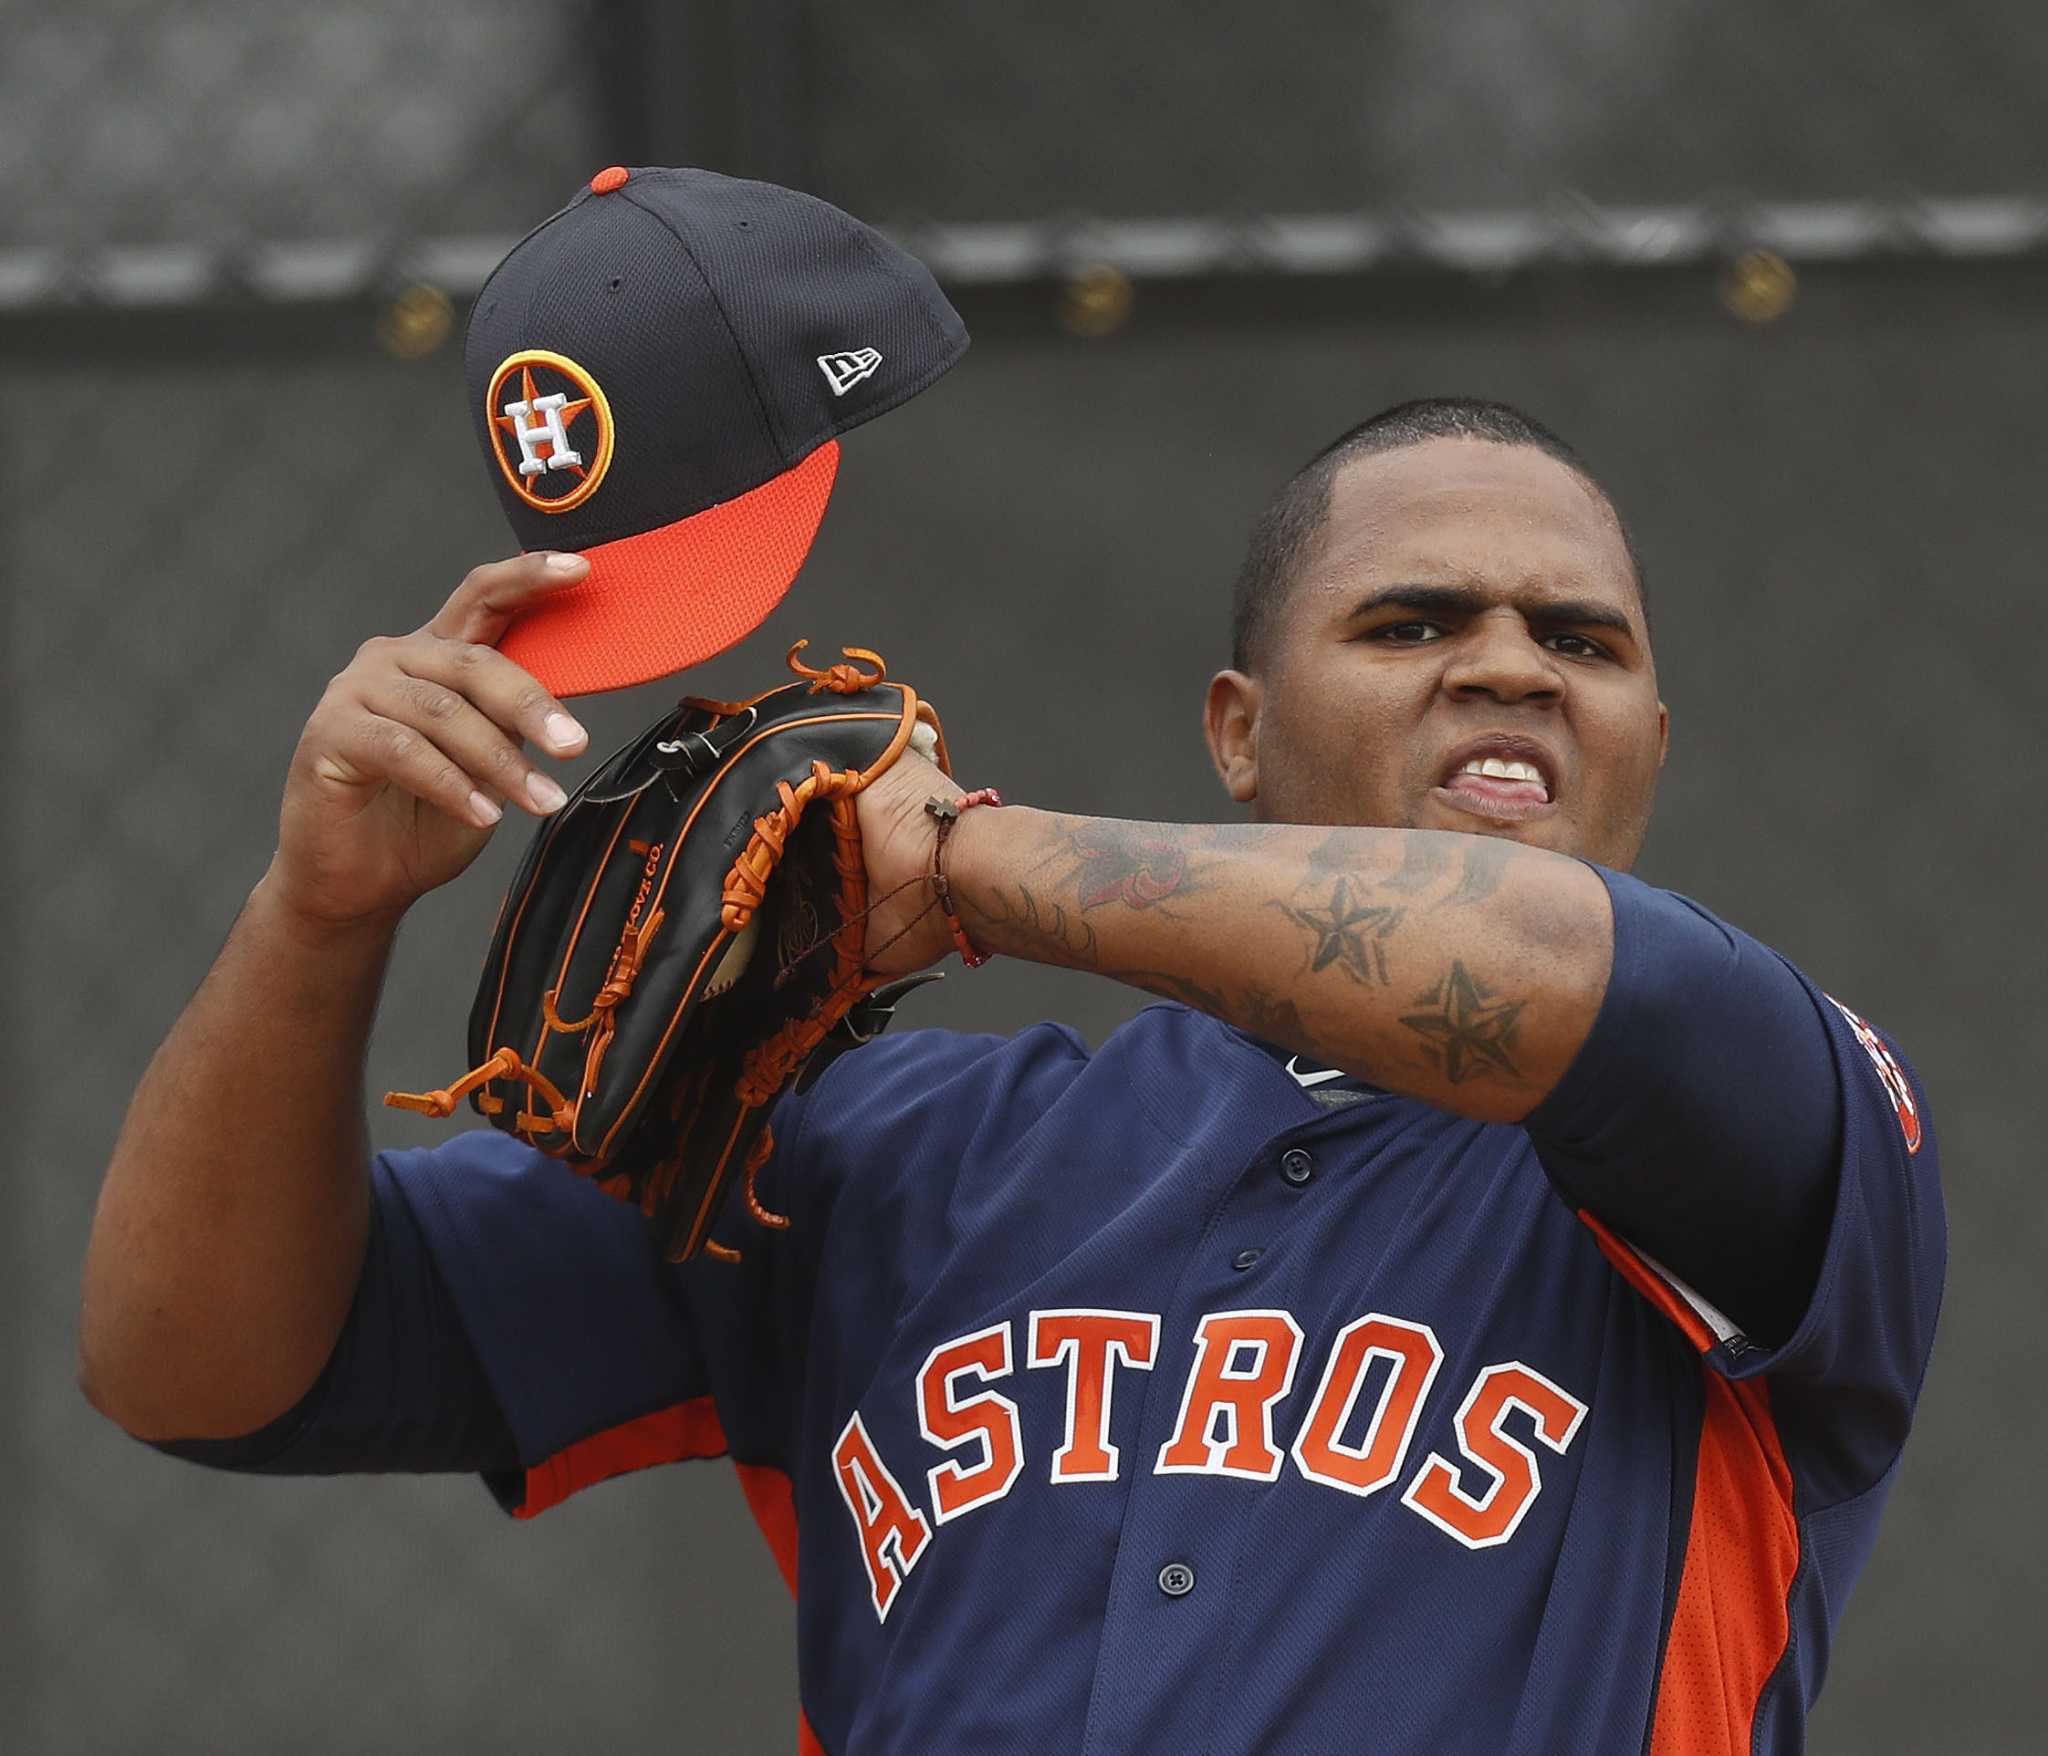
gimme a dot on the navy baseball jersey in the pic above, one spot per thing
(1179, 1396)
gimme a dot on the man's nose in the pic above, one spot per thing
(1498, 656)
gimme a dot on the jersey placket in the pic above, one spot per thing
(1179, 1588)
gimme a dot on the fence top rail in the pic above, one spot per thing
(1566, 230)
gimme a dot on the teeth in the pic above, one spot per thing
(1501, 768)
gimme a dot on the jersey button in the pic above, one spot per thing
(1297, 1166)
(1245, 1258)
(1176, 1579)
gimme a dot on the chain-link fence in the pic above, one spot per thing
(1779, 271)
(291, 152)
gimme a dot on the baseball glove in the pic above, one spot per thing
(684, 936)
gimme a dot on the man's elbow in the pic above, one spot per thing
(156, 1394)
(115, 1369)
(109, 1389)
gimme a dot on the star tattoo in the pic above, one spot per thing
(1468, 1031)
(1348, 932)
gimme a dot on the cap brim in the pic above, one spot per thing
(667, 599)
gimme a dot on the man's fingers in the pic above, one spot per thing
(481, 608)
(494, 763)
(371, 747)
(445, 717)
(495, 686)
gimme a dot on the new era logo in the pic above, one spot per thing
(844, 371)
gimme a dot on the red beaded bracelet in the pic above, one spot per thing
(946, 813)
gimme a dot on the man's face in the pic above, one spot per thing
(1463, 650)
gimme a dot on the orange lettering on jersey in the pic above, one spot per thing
(1244, 1364)
(1484, 1520)
(989, 1421)
(1413, 1355)
(892, 1532)
(1089, 1341)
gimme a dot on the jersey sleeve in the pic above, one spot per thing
(596, 1349)
(403, 1389)
(1759, 1161)
(515, 1321)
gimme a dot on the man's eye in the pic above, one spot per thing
(1408, 633)
(1576, 646)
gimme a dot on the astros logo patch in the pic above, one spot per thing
(552, 427)
(1889, 1072)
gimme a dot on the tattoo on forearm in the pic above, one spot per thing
(1335, 856)
(1465, 1028)
(1172, 987)
(1426, 864)
(1057, 936)
(1257, 1011)
(1421, 868)
(1277, 1019)
(1118, 862)
(1480, 872)
(1225, 838)
(1348, 916)
(1348, 932)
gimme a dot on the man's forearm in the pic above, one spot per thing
(1462, 970)
(232, 1222)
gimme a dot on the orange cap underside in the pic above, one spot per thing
(670, 598)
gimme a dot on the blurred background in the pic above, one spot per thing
(1780, 271)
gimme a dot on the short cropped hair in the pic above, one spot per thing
(1287, 531)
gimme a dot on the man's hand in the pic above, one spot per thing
(413, 751)
(230, 1233)
(907, 932)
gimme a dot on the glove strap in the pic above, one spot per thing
(946, 813)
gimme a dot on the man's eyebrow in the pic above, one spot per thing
(1465, 600)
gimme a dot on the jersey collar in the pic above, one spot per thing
(1329, 1088)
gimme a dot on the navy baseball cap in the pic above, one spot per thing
(659, 375)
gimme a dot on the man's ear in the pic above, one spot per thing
(1230, 719)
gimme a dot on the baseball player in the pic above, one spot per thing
(1479, 1308)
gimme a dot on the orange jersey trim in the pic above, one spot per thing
(1646, 1281)
(771, 1497)
(668, 1435)
(1731, 1623)
(677, 1434)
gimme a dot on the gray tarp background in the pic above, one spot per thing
(204, 510)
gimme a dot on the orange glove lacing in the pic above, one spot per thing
(767, 1066)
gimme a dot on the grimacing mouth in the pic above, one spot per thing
(1514, 747)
